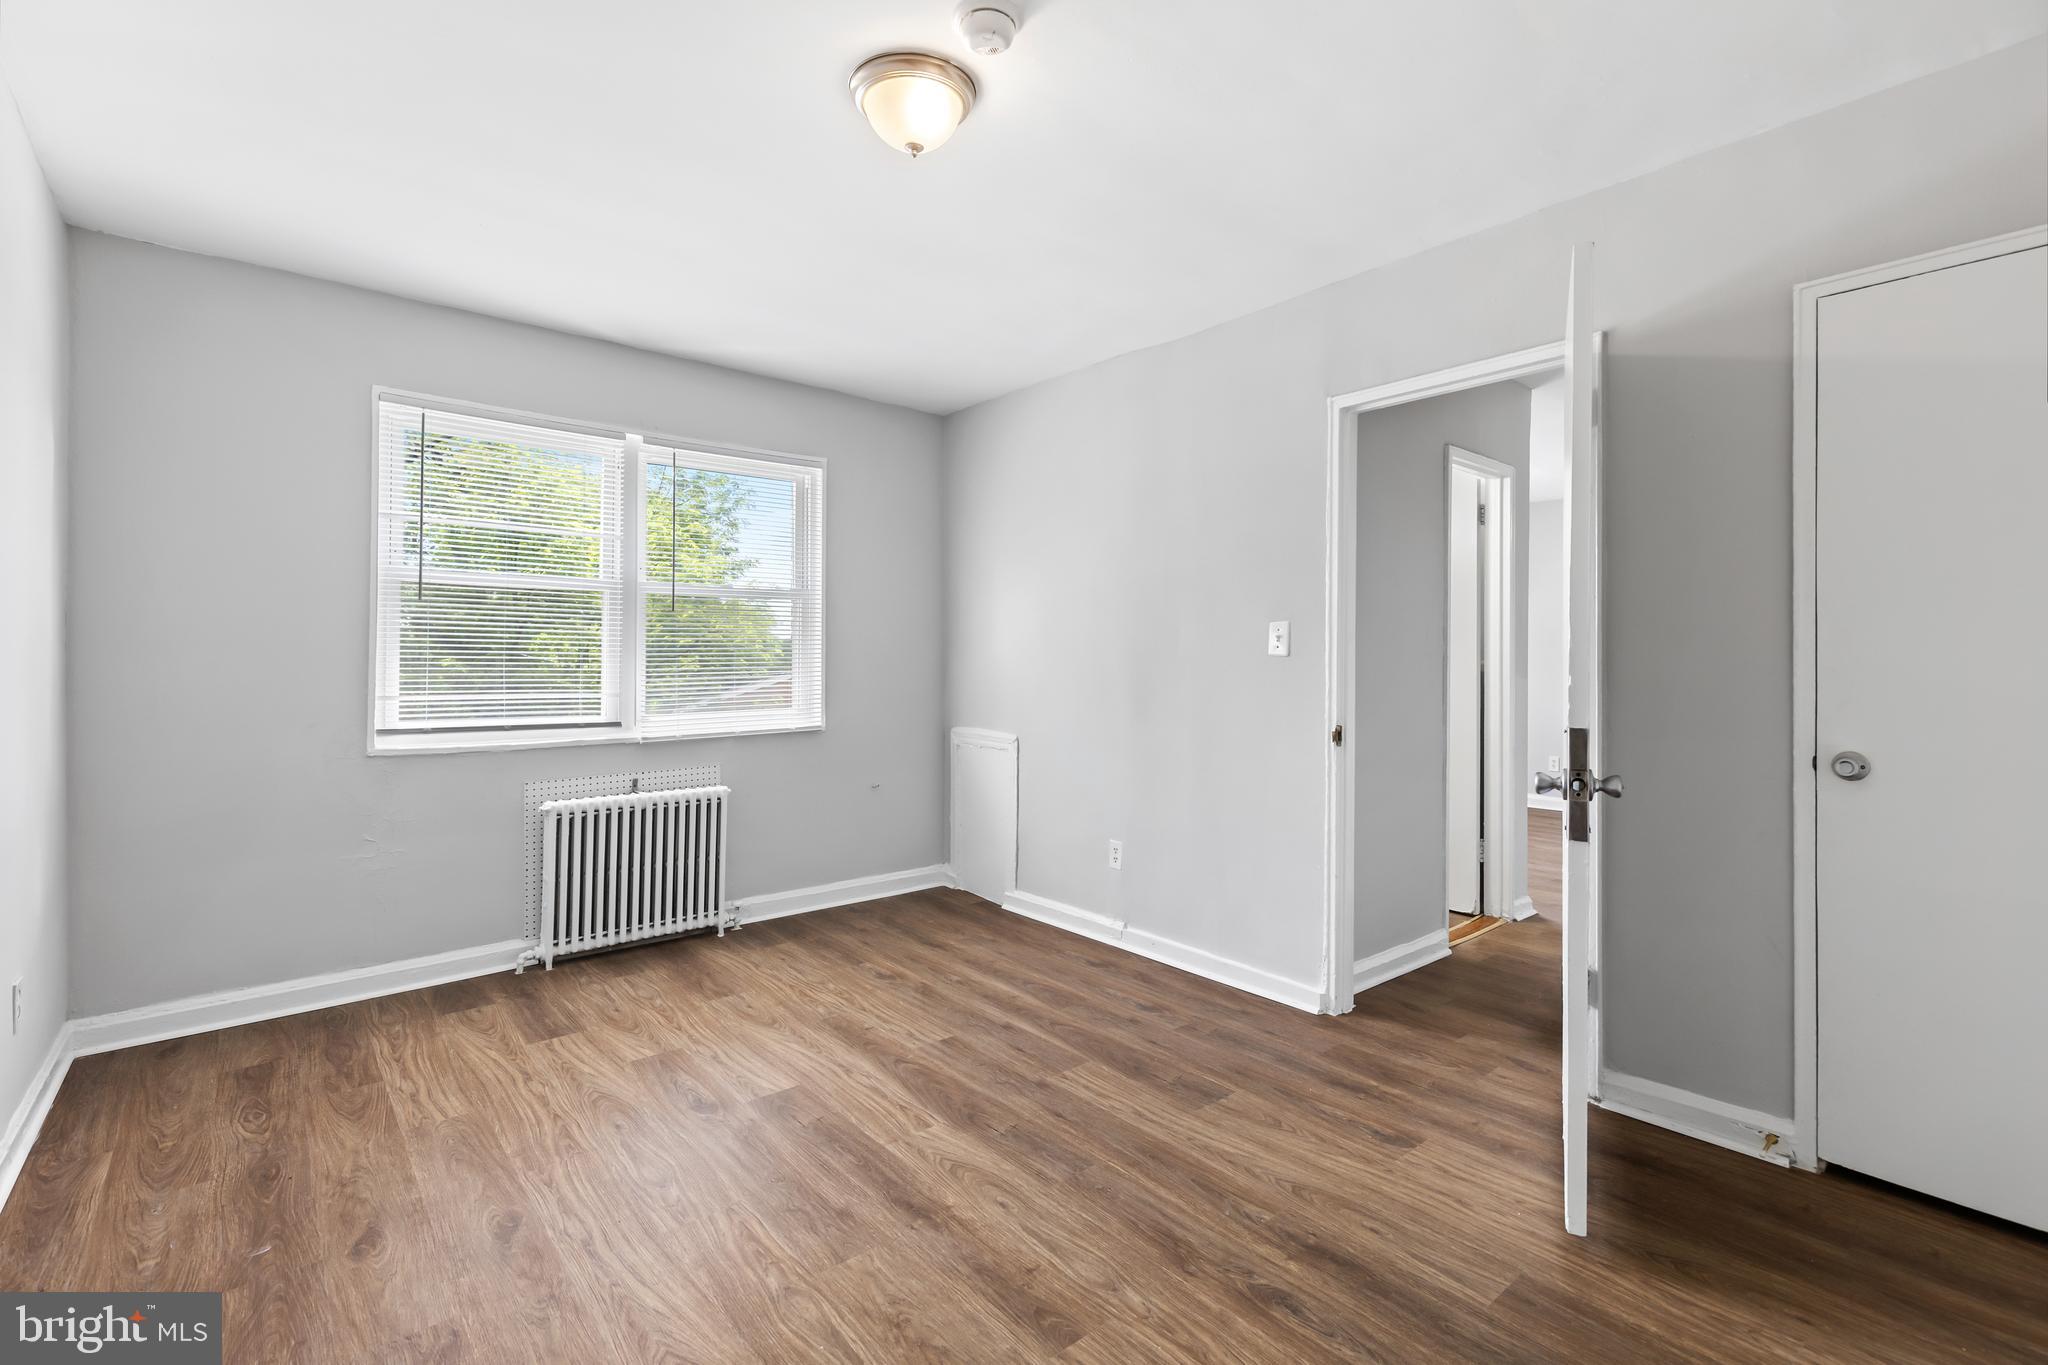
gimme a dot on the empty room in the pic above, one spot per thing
(1022, 680)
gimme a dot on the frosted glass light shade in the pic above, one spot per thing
(913, 114)
(913, 102)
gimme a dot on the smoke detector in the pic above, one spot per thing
(989, 31)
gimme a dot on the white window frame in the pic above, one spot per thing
(625, 672)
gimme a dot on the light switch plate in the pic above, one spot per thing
(1276, 638)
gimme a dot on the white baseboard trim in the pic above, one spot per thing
(1523, 908)
(1400, 959)
(226, 1009)
(1185, 956)
(1228, 971)
(26, 1122)
(1063, 916)
(1546, 802)
(1725, 1125)
(753, 909)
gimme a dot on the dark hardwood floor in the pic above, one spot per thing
(923, 1129)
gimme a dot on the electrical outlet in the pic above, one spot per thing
(1555, 766)
(1116, 854)
(1276, 638)
(17, 1005)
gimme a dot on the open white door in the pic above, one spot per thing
(1582, 704)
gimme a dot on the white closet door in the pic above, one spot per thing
(1931, 663)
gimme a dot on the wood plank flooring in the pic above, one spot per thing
(1472, 926)
(1546, 878)
(1546, 862)
(926, 1130)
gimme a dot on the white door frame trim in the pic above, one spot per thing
(1806, 300)
(1506, 686)
(1340, 528)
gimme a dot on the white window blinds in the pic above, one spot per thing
(507, 611)
(501, 584)
(730, 596)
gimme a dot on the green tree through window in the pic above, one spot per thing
(709, 652)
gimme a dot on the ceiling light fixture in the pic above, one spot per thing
(912, 101)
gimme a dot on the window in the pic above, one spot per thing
(543, 582)
(731, 627)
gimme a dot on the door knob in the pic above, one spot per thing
(1850, 766)
(1546, 783)
(1608, 786)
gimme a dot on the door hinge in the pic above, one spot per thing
(1593, 988)
(1482, 850)
(1482, 514)
(1337, 735)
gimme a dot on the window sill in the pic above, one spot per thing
(387, 746)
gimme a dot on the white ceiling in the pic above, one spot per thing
(693, 178)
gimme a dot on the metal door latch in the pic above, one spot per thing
(1581, 786)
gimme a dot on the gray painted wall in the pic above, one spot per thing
(1118, 538)
(33, 354)
(1397, 727)
(1546, 626)
(231, 831)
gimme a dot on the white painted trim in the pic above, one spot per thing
(26, 1122)
(1399, 960)
(985, 739)
(248, 1004)
(1697, 1116)
(754, 909)
(1060, 915)
(1340, 559)
(1301, 995)
(1340, 573)
(1806, 300)
(1514, 365)
(1523, 908)
(1546, 802)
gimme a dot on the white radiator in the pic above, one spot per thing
(618, 869)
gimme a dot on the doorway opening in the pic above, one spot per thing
(1395, 764)
(1431, 644)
